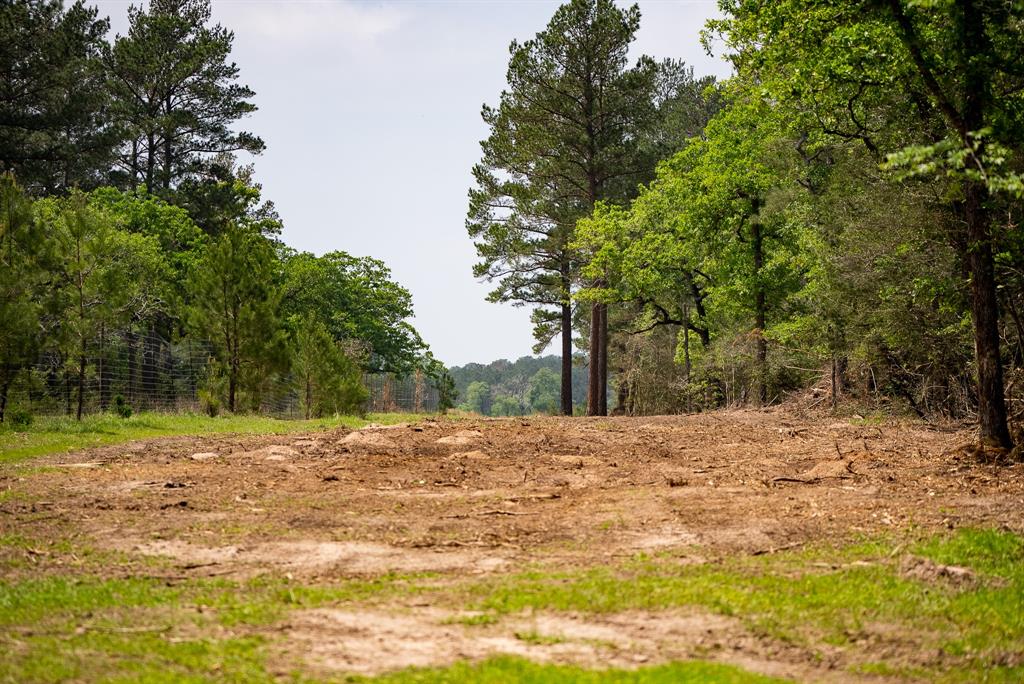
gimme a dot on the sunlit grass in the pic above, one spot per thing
(816, 599)
(56, 626)
(59, 434)
(508, 670)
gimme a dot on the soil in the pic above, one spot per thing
(467, 498)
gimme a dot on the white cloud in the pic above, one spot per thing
(308, 21)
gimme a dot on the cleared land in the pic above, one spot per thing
(726, 546)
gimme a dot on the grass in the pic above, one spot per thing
(60, 434)
(817, 599)
(57, 628)
(505, 670)
(92, 627)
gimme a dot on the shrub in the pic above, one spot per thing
(19, 417)
(122, 407)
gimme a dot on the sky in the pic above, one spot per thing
(371, 116)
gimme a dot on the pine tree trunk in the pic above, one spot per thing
(602, 366)
(81, 382)
(687, 365)
(4, 388)
(567, 359)
(150, 162)
(594, 366)
(309, 397)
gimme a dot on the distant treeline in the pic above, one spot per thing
(515, 388)
(125, 218)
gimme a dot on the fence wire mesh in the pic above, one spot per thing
(150, 373)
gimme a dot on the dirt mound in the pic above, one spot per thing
(927, 570)
(369, 441)
(462, 438)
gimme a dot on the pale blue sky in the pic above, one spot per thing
(371, 115)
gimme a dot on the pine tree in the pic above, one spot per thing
(176, 95)
(563, 137)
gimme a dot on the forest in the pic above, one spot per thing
(140, 265)
(842, 215)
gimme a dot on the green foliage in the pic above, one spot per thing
(23, 255)
(236, 304)
(56, 133)
(105, 277)
(175, 93)
(478, 398)
(330, 381)
(19, 418)
(710, 244)
(121, 407)
(512, 378)
(359, 303)
(544, 388)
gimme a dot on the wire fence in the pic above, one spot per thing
(150, 373)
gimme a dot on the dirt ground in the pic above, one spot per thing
(469, 498)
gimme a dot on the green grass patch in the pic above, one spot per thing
(57, 628)
(824, 595)
(58, 434)
(508, 670)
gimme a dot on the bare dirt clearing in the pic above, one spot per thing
(466, 500)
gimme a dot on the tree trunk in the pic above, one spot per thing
(102, 370)
(168, 148)
(150, 161)
(81, 382)
(132, 358)
(760, 314)
(567, 359)
(594, 365)
(985, 315)
(984, 304)
(309, 397)
(4, 388)
(602, 365)
(67, 390)
(687, 365)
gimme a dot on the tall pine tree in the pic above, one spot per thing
(563, 137)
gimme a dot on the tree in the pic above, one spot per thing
(934, 85)
(330, 380)
(23, 272)
(223, 194)
(235, 304)
(702, 247)
(54, 129)
(176, 95)
(107, 276)
(563, 136)
(478, 398)
(544, 391)
(180, 239)
(359, 303)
